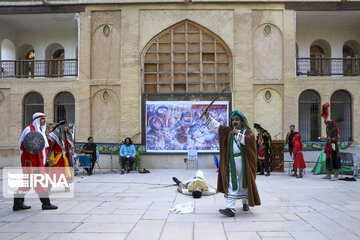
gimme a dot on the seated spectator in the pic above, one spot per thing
(127, 154)
(90, 148)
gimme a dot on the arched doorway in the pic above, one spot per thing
(8, 56)
(309, 115)
(341, 113)
(25, 64)
(320, 53)
(348, 54)
(7, 50)
(57, 63)
(351, 62)
(33, 102)
(64, 107)
(55, 55)
(317, 64)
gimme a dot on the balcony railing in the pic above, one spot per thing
(39, 68)
(328, 66)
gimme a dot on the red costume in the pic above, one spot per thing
(30, 161)
(60, 146)
(298, 156)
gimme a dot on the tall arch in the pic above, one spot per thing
(8, 53)
(268, 52)
(8, 50)
(33, 102)
(268, 111)
(26, 67)
(309, 115)
(52, 48)
(341, 113)
(186, 57)
(64, 107)
(320, 51)
(351, 52)
(55, 53)
(185, 62)
(106, 101)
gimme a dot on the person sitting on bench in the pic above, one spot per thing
(127, 154)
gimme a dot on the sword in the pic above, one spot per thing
(214, 99)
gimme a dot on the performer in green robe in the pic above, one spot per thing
(237, 167)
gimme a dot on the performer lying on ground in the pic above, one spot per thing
(237, 168)
(195, 186)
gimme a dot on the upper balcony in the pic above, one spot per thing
(39, 68)
(327, 43)
(39, 46)
(322, 66)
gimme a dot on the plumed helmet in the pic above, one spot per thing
(325, 111)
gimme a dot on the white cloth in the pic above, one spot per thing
(38, 128)
(240, 192)
(183, 208)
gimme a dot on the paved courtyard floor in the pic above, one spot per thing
(136, 206)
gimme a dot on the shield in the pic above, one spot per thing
(34, 142)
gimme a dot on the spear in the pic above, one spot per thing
(214, 99)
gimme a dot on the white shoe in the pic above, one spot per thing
(334, 179)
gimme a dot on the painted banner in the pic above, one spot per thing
(175, 126)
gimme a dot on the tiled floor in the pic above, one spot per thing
(136, 206)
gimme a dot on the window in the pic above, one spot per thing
(33, 103)
(309, 115)
(341, 113)
(64, 107)
(186, 58)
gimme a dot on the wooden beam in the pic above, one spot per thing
(323, 6)
(43, 9)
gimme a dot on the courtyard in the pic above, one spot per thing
(137, 206)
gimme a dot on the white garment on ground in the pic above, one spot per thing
(183, 208)
(240, 192)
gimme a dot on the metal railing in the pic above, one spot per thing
(39, 68)
(327, 66)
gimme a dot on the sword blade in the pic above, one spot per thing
(214, 99)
